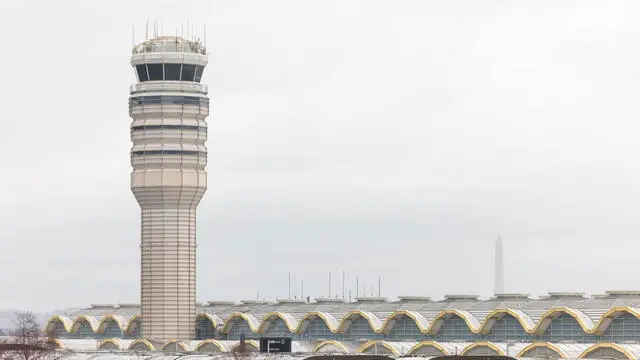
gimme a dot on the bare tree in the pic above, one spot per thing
(26, 341)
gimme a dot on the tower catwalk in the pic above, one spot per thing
(168, 106)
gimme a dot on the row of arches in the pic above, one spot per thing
(376, 325)
(421, 349)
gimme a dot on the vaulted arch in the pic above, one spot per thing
(175, 346)
(205, 327)
(607, 318)
(582, 319)
(288, 319)
(141, 345)
(134, 322)
(378, 347)
(249, 319)
(317, 324)
(84, 326)
(607, 351)
(428, 349)
(211, 346)
(57, 324)
(374, 322)
(110, 345)
(421, 322)
(110, 327)
(104, 323)
(525, 320)
(482, 349)
(250, 346)
(531, 350)
(331, 346)
(55, 344)
(471, 321)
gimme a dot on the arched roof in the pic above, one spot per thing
(623, 348)
(173, 342)
(120, 321)
(92, 321)
(429, 343)
(251, 343)
(421, 321)
(251, 320)
(389, 346)
(214, 319)
(213, 342)
(606, 318)
(328, 319)
(115, 342)
(472, 322)
(145, 342)
(132, 320)
(56, 342)
(547, 345)
(583, 320)
(344, 349)
(289, 320)
(525, 320)
(487, 344)
(374, 321)
(65, 321)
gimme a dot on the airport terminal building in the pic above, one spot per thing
(168, 106)
(559, 325)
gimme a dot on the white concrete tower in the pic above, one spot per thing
(168, 106)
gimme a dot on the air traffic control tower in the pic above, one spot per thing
(168, 105)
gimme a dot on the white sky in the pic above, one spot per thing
(392, 138)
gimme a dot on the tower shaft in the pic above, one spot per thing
(168, 106)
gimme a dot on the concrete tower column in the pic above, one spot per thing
(168, 106)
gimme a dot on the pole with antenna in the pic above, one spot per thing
(343, 277)
(289, 286)
(204, 40)
(379, 286)
(329, 284)
(357, 288)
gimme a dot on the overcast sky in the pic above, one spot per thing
(391, 138)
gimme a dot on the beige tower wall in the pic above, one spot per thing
(168, 180)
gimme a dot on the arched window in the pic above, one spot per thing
(317, 329)
(624, 328)
(277, 328)
(111, 330)
(606, 353)
(84, 330)
(240, 326)
(507, 328)
(360, 329)
(405, 328)
(481, 350)
(454, 328)
(565, 328)
(204, 328)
